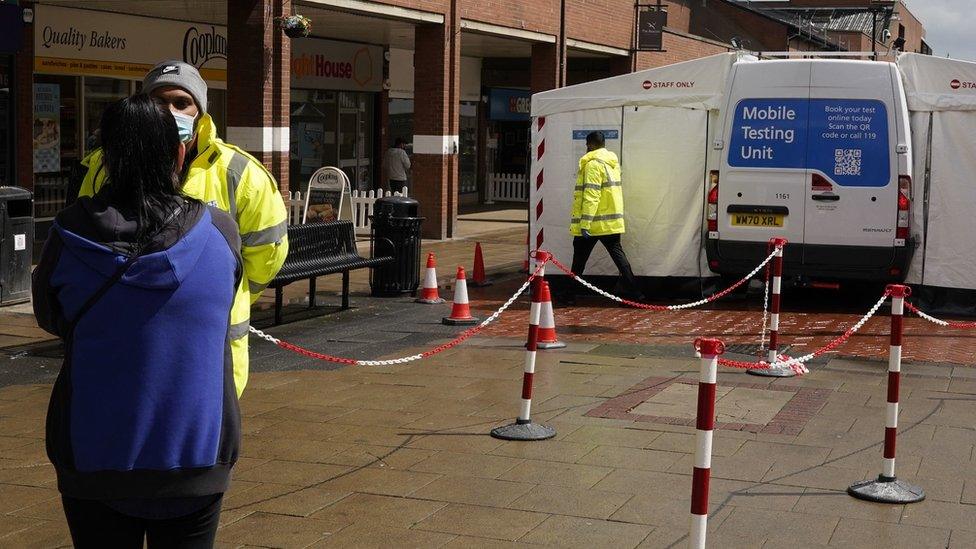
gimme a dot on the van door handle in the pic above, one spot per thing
(826, 197)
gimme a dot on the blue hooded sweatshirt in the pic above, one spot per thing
(144, 405)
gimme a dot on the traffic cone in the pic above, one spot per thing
(429, 293)
(547, 321)
(460, 311)
(479, 280)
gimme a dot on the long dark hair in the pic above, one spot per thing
(140, 144)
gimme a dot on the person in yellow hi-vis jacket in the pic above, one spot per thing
(598, 212)
(221, 175)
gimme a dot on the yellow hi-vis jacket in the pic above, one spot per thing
(225, 176)
(598, 200)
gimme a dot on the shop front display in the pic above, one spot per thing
(333, 102)
(84, 61)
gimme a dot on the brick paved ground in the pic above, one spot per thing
(803, 331)
(400, 457)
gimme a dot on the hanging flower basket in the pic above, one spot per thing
(295, 26)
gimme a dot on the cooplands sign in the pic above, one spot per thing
(95, 43)
(334, 65)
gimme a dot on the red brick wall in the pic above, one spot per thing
(436, 79)
(545, 67)
(258, 73)
(722, 21)
(678, 48)
(535, 15)
(914, 30)
(607, 22)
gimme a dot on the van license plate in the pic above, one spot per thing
(757, 220)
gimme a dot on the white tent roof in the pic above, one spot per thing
(699, 83)
(938, 84)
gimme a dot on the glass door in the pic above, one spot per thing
(356, 138)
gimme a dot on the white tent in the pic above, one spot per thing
(942, 103)
(659, 122)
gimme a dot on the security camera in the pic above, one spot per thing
(736, 42)
(885, 36)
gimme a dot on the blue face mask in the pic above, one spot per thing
(184, 123)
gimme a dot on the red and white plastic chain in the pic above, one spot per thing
(404, 360)
(710, 299)
(796, 364)
(939, 321)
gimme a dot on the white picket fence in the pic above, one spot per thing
(362, 207)
(507, 187)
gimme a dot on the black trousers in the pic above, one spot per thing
(583, 247)
(95, 525)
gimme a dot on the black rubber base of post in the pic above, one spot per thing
(430, 301)
(523, 431)
(551, 345)
(771, 372)
(886, 490)
(460, 321)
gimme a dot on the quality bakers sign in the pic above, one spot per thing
(94, 43)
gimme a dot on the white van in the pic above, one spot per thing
(819, 152)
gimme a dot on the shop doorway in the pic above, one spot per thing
(332, 128)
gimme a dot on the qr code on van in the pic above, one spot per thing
(847, 161)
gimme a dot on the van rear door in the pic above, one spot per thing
(851, 190)
(763, 175)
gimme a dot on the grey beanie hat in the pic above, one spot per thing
(181, 75)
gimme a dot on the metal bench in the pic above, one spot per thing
(319, 249)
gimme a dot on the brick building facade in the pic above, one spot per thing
(435, 72)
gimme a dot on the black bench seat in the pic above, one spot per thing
(319, 249)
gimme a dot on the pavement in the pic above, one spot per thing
(400, 456)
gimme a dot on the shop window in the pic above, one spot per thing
(400, 122)
(57, 143)
(330, 128)
(468, 148)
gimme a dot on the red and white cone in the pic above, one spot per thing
(547, 321)
(430, 293)
(479, 279)
(460, 310)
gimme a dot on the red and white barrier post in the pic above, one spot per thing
(523, 428)
(887, 488)
(772, 355)
(709, 349)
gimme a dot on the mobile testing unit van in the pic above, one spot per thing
(863, 165)
(817, 151)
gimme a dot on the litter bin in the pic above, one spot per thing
(396, 232)
(16, 244)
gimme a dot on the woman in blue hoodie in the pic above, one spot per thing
(143, 426)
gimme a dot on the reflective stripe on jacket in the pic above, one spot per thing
(598, 200)
(225, 176)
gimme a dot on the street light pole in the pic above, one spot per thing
(874, 33)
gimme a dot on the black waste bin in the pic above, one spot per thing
(396, 232)
(16, 244)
